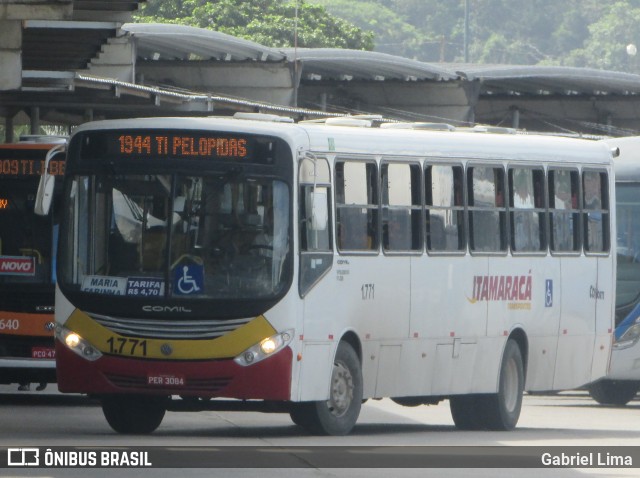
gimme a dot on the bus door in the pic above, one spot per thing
(597, 220)
(584, 289)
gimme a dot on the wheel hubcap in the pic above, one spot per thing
(511, 385)
(341, 390)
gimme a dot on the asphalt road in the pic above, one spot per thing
(388, 441)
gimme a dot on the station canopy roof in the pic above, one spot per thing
(544, 80)
(156, 41)
(178, 42)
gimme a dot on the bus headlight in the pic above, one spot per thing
(629, 337)
(265, 348)
(77, 344)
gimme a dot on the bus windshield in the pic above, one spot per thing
(210, 236)
(628, 232)
(26, 240)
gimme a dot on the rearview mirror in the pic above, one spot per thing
(44, 196)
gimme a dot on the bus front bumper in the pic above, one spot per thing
(269, 379)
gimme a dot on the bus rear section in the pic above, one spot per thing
(27, 265)
(623, 380)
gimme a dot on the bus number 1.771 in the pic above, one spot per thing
(123, 346)
(368, 291)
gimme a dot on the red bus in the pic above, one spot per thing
(27, 264)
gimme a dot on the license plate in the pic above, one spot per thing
(165, 380)
(43, 352)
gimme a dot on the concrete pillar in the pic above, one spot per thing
(8, 128)
(35, 119)
(515, 117)
(10, 55)
(323, 101)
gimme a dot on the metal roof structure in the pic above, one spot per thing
(156, 41)
(339, 64)
(548, 80)
(178, 42)
(89, 63)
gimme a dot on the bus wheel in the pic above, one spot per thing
(614, 392)
(465, 413)
(502, 410)
(497, 411)
(338, 415)
(133, 414)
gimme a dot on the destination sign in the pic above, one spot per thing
(30, 167)
(181, 145)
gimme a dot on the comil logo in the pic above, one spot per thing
(23, 457)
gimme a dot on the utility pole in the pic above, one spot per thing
(466, 31)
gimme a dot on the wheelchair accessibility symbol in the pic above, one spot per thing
(548, 295)
(188, 279)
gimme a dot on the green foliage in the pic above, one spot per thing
(588, 33)
(269, 22)
(606, 45)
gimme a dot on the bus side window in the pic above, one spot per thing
(526, 203)
(444, 197)
(596, 211)
(401, 207)
(487, 213)
(563, 210)
(357, 206)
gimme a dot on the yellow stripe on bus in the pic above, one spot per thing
(227, 346)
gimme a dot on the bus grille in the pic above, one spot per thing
(195, 384)
(161, 329)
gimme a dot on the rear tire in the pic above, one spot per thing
(502, 410)
(133, 414)
(498, 411)
(614, 392)
(465, 412)
(338, 415)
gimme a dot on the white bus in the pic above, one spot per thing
(306, 268)
(623, 380)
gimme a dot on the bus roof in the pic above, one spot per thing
(330, 139)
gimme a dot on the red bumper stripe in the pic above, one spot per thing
(269, 379)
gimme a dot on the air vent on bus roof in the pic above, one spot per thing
(263, 117)
(345, 121)
(428, 126)
(481, 128)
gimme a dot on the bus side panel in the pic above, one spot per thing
(605, 303)
(518, 299)
(359, 295)
(315, 373)
(445, 312)
(577, 323)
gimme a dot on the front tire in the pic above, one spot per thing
(133, 415)
(338, 415)
(614, 392)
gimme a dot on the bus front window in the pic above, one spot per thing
(220, 237)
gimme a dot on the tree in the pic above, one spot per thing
(393, 34)
(608, 38)
(268, 22)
